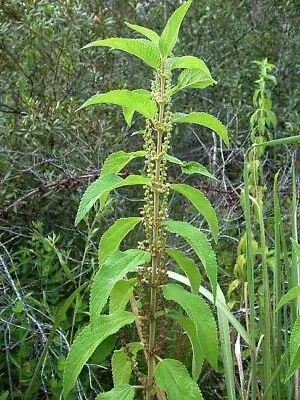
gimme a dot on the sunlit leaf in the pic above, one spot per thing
(112, 238)
(169, 35)
(120, 295)
(113, 270)
(148, 33)
(141, 48)
(133, 100)
(86, 343)
(121, 392)
(204, 119)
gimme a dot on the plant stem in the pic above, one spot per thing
(155, 243)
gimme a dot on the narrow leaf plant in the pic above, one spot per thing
(132, 286)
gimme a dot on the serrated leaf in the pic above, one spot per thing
(148, 33)
(189, 327)
(202, 204)
(86, 343)
(193, 167)
(112, 238)
(170, 33)
(194, 78)
(294, 349)
(103, 185)
(290, 295)
(188, 266)
(121, 392)
(120, 295)
(204, 119)
(189, 167)
(188, 62)
(141, 48)
(121, 364)
(136, 100)
(201, 315)
(113, 270)
(200, 244)
(117, 161)
(174, 379)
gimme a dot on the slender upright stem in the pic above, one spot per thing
(156, 239)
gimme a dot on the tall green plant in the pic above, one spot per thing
(139, 276)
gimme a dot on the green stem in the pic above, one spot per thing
(155, 244)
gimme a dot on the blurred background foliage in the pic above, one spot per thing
(49, 153)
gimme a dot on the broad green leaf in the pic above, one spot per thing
(204, 119)
(112, 238)
(99, 187)
(141, 48)
(128, 115)
(117, 161)
(174, 379)
(120, 295)
(86, 343)
(170, 33)
(121, 392)
(122, 365)
(4, 395)
(290, 295)
(113, 270)
(103, 185)
(202, 204)
(193, 167)
(148, 33)
(188, 62)
(188, 266)
(221, 306)
(294, 349)
(134, 100)
(189, 167)
(194, 78)
(189, 327)
(200, 244)
(201, 315)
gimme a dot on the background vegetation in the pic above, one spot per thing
(49, 153)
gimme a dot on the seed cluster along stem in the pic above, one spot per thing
(157, 240)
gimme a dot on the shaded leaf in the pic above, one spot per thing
(294, 349)
(202, 204)
(120, 295)
(121, 392)
(204, 119)
(189, 167)
(174, 379)
(290, 295)
(141, 48)
(86, 343)
(201, 315)
(189, 327)
(112, 238)
(133, 100)
(113, 270)
(170, 33)
(188, 266)
(200, 245)
(122, 365)
(148, 33)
